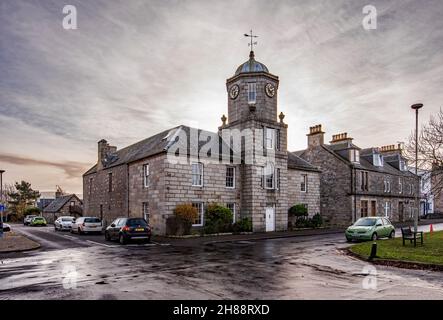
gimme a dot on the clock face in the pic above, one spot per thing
(234, 91)
(270, 90)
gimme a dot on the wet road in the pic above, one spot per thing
(310, 267)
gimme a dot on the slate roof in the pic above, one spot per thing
(295, 162)
(159, 143)
(58, 203)
(340, 151)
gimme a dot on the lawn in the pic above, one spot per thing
(393, 249)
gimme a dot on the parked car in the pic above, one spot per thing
(370, 228)
(27, 220)
(6, 227)
(38, 221)
(86, 225)
(63, 223)
(127, 229)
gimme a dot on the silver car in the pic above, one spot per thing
(28, 219)
(63, 223)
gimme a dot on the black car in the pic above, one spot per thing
(126, 229)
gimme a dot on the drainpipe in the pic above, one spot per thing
(354, 186)
(127, 187)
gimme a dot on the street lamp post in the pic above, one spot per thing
(1, 199)
(416, 107)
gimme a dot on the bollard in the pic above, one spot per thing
(373, 251)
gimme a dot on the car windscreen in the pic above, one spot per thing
(136, 222)
(365, 223)
(38, 218)
(92, 220)
(67, 219)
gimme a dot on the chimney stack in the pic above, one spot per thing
(391, 149)
(340, 138)
(315, 136)
(104, 149)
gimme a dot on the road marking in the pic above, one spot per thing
(70, 237)
(102, 244)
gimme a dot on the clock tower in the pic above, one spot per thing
(252, 111)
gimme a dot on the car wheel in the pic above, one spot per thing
(392, 235)
(122, 239)
(107, 237)
(374, 236)
(348, 240)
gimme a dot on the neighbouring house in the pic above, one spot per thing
(437, 187)
(426, 191)
(245, 165)
(359, 182)
(63, 205)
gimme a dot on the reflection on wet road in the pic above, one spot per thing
(292, 268)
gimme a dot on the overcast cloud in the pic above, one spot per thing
(134, 68)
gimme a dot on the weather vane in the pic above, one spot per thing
(253, 43)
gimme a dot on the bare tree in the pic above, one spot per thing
(430, 150)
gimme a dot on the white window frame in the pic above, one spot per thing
(146, 211)
(233, 210)
(233, 177)
(387, 208)
(200, 173)
(201, 213)
(146, 175)
(266, 174)
(270, 140)
(400, 186)
(252, 92)
(304, 182)
(354, 155)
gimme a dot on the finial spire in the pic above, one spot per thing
(252, 43)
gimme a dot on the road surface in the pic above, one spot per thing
(306, 267)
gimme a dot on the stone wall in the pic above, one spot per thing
(98, 201)
(311, 198)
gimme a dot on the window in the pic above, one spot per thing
(402, 165)
(410, 189)
(277, 143)
(90, 185)
(378, 160)
(197, 174)
(278, 179)
(252, 92)
(230, 177)
(400, 185)
(354, 155)
(146, 211)
(364, 181)
(199, 220)
(72, 204)
(387, 185)
(364, 208)
(268, 175)
(146, 175)
(269, 138)
(304, 183)
(231, 206)
(387, 209)
(110, 182)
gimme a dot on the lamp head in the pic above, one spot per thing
(417, 106)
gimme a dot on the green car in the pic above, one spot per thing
(370, 228)
(38, 221)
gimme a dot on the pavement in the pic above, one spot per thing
(303, 267)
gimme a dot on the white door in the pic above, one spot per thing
(270, 219)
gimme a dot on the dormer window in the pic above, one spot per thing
(354, 155)
(402, 165)
(252, 92)
(378, 160)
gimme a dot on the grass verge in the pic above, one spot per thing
(392, 249)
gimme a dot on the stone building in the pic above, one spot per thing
(63, 205)
(437, 188)
(245, 165)
(359, 182)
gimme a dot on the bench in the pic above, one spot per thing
(408, 234)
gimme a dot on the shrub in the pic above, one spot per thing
(298, 210)
(316, 221)
(32, 211)
(218, 219)
(186, 212)
(243, 225)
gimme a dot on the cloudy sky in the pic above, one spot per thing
(134, 68)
